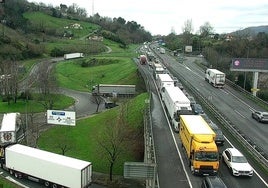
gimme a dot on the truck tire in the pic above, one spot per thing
(17, 175)
(11, 172)
(54, 185)
(47, 184)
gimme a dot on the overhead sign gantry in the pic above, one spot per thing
(254, 65)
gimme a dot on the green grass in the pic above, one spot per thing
(82, 139)
(43, 20)
(34, 106)
(7, 184)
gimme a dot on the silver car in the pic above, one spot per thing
(260, 116)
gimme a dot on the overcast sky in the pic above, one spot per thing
(162, 17)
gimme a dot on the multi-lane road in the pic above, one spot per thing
(171, 158)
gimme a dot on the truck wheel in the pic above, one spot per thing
(54, 186)
(46, 184)
(16, 174)
(11, 172)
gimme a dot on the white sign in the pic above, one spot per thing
(59, 117)
(188, 48)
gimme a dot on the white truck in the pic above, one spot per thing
(162, 50)
(50, 169)
(11, 123)
(215, 77)
(164, 80)
(73, 55)
(176, 104)
(158, 68)
(111, 90)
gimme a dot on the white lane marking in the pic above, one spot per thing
(239, 114)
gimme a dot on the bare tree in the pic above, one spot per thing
(46, 84)
(9, 80)
(96, 99)
(113, 140)
(187, 32)
(205, 30)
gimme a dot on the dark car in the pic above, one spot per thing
(220, 139)
(197, 109)
(260, 116)
(213, 182)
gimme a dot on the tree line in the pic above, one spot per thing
(219, 49)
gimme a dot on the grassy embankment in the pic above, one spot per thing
(84, 142)
(71, 75)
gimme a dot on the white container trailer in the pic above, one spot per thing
(164, 80)
(110, 90)
(48, 168)
(10, 125)
(215, 77)
(176, 104)
(73, 55)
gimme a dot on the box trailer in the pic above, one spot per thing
(164, 80)
(110, 90)
(11, 123)
(73, 55)
(50, 169)
(198, 139)
(176, 104)
(215, 77)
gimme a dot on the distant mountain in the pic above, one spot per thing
(252, 31)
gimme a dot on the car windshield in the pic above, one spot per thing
(239, 159)
(206, 156)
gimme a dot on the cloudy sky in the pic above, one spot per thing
(162, 17)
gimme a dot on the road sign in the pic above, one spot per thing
(139, 170)
(59, 117)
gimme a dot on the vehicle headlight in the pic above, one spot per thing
(234, 170)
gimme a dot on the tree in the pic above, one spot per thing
(114, 138)
(96, 99)
(46, 83)
(187, 32)
(205, 30)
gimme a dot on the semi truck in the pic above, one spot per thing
(111, 90)
(198, 140)
(73, 55)
(215, 77)
(176, 104)
(49, 169)
(164, 80)
(158, 68)
(162, 50)
(11, 123)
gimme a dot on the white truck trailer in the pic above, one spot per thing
(11, 123)
(164, 80)
(73, 55)
(158, 68)
(176, 104)
(50, 169)
(162, 50)
(215, 77)
(110, 90)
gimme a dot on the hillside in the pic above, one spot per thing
(252, 31)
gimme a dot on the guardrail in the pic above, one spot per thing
(253, 148)
(149, 151)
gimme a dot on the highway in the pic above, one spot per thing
(235, 108)
(171, 159)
